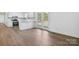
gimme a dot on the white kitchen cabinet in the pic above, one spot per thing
(25, 24)
(9, 23)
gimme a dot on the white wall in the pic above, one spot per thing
(64, 22)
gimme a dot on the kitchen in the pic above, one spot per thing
(24, 20)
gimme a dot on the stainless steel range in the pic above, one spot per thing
(15, 21)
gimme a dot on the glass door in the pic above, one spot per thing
(42, 20)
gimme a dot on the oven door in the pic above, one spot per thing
(15, 23)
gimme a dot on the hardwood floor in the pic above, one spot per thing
(33, 37)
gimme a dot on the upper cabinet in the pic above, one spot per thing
(18, 14)
(29, 15)
(2, 13)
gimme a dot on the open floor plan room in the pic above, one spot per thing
(33, 37)
(39, 28)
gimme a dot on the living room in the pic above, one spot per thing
(39, 28)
